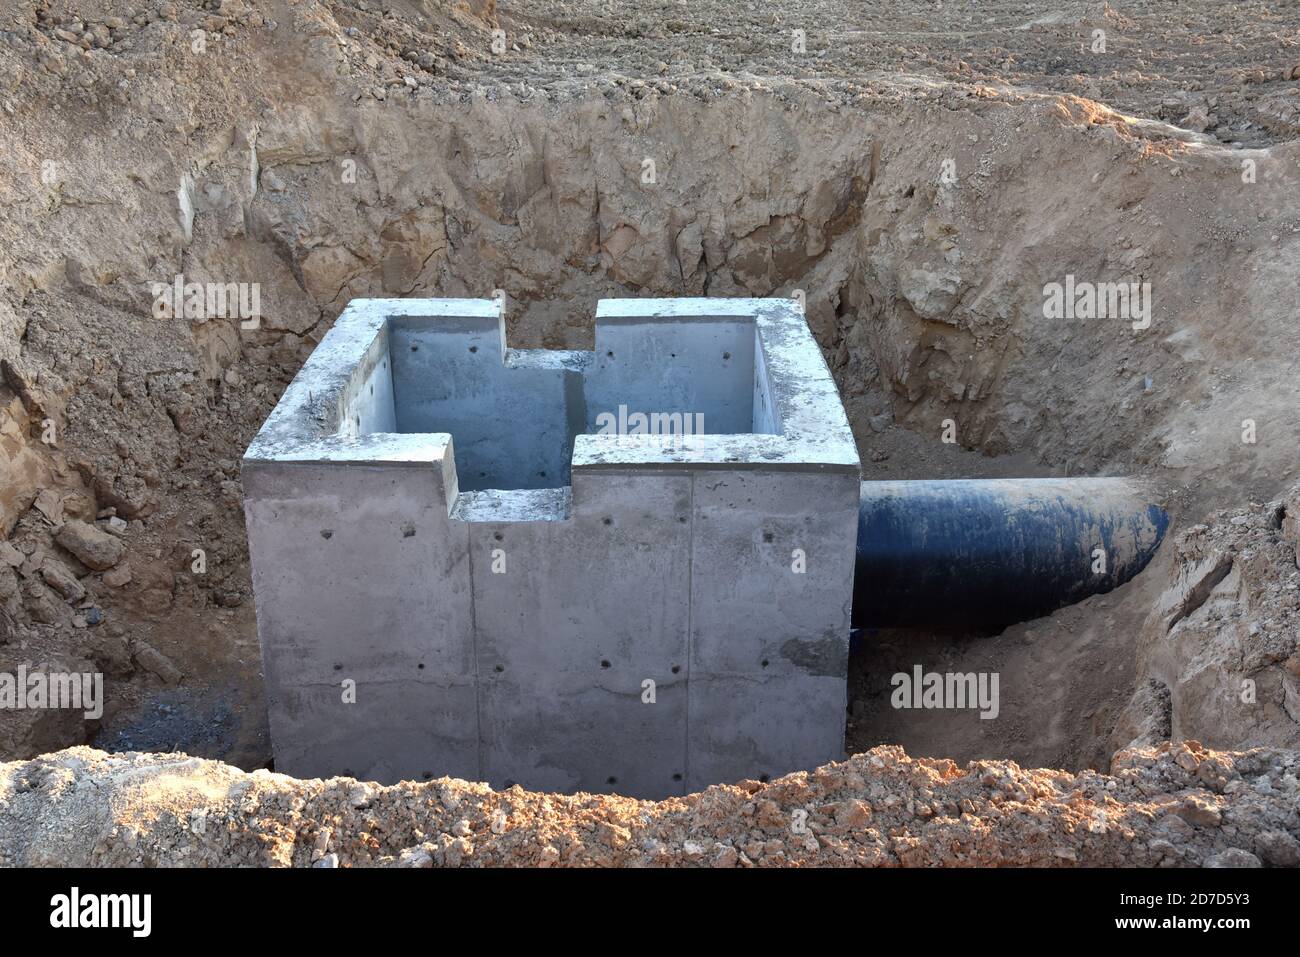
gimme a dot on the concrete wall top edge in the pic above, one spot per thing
(310, 409)
(514, 505)
(571, 360)
(687, 308)
(378, 448)
(427, 308)
(727, 451)
(815, 434)
(807, 401)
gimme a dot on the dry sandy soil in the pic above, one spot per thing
(1180, 806)
(918, 170)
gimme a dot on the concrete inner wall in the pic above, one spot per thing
(766, 418)
(703, 366)
(513, 414)
(368, 404)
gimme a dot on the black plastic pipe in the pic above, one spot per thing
(989, 553)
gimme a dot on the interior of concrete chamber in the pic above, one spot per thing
(513, 414)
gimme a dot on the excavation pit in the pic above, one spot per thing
(465, 565)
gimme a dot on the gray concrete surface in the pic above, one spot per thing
(448, 531)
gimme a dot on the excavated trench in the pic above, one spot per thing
(920, 238)
(665, 200)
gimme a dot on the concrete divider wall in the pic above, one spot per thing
(674, 616)
(514, 413)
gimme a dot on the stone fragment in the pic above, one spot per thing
(59, 577)
(96, 548)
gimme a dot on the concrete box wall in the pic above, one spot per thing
(704, 366)
(514, 413)
(674, 615)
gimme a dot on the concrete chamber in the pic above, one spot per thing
(624, 570)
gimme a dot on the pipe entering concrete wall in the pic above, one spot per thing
(989, 553)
